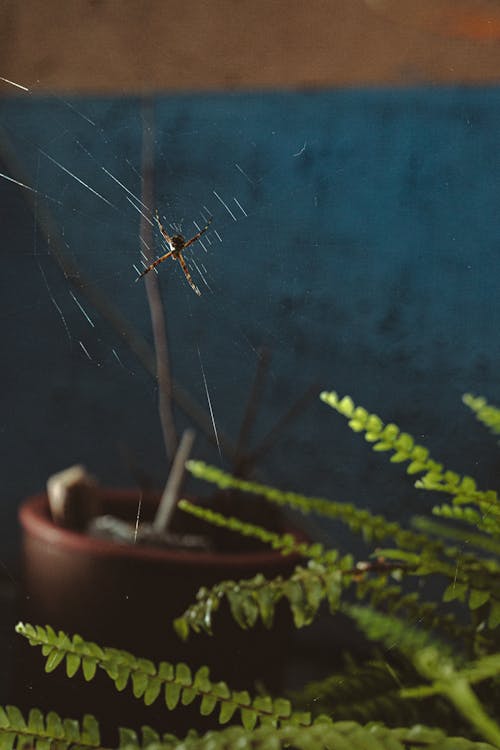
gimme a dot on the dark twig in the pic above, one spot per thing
(172, 488)
(156, 308)
(292, 413)
(251, 410)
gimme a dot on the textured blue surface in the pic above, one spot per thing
(367, 262)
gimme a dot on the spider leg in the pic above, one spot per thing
(155, 263)
(198, 235)
(164, 234)
(188, 275)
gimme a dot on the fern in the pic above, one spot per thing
(388, 437)
(253, 599)
(50, 732)
(437, 675)
(347, 735)
(285, 543)
(394, 631)
(370, 691)
(486, 413)
(148, 682)
(42, 732)
(371, 527)
(481, 542)
(436, 662)
(256, 598)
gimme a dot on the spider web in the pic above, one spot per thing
(335, 244)
(73, 176)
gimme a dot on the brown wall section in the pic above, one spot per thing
(125, 46)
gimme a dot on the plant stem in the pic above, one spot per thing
(155, 303)
(171, 492)
(467, 703)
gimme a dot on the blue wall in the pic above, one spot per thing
(367, 262)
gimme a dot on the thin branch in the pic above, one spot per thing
(292, 413)
(171, 492)
(156, 308)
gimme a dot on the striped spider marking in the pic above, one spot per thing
(176, 244)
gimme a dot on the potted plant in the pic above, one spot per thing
(434, 676)
(114, 590)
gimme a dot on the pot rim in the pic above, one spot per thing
(36, 522)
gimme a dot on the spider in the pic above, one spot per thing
(177, 245)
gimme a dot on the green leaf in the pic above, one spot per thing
(494, 618)
(264, 703)
(208, 703)
(181, 627)
(188, 695)
(183, 674)
(7, 740)
(71, 730)
(36, 723)
(455, 591)
(415, 467)
(282, 708)
(356, 425)
(121, 678)
(248, 718)
(89, 667)
(140, 683)
(149, 736)
(399, 457)
(72, 664)
(166, 671)
(382, 446)
(346, 406)
(227, 710)
(127, 737)
(172, 694)
(54, 725)
(153, 690)
(54, 658)
(478, 597)
(202, 680)
(264, 597)
(16, 719)
(90, 730)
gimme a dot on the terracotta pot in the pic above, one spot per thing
(127, 596)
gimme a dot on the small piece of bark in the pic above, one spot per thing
(73, 497)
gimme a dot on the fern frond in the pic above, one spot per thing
(388, 437)
(476, 581)
(391, 599)
(480, 520)
(254, 598)
(455, 685)
(482, 542)
(485, 413)
(175, 681)
(285, 543)
(465, 495)
(372, 527)
(393, 632)
(384, 437)
(346, 735)
(437, 663)
(370, 691)
(43, 731)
